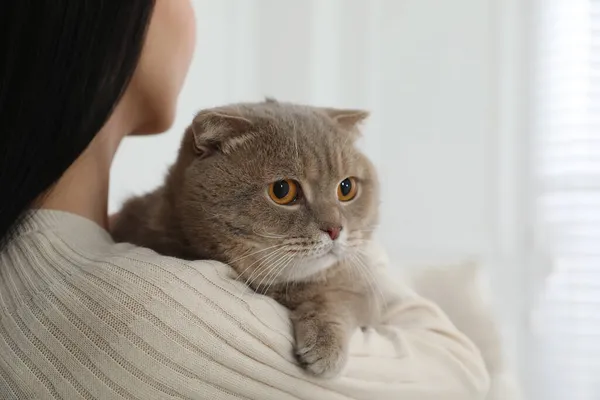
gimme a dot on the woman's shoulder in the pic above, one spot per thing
(73, 255)
(82, 242)
(187, 287)
(139, 320)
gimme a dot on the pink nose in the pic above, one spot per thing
(333, 232)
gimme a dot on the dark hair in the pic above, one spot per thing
(65, 65)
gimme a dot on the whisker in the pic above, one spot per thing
(278, 272)
(291, 262)
(373, 282)
(364, 271)
(262, 271)
(260, 259)
(353, 271)
(273, 268)
(356, 267)
(267, 235)
(258, 272)
(287, 284)
(365, 230)
(256, 252)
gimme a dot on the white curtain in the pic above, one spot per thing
(566, 154)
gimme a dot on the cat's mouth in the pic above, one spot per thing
(303, 260)
(309, 263)
(306, 268)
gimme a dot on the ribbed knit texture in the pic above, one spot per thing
(84, 318)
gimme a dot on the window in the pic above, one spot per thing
(566, 143)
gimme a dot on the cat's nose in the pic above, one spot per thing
(333, 231)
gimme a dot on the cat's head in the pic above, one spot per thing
(280, 191)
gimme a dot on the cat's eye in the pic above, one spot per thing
(284, 192)
(347, 189)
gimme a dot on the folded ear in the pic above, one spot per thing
(220, 130)
(348, 119)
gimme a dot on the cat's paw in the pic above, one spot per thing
(321, 348)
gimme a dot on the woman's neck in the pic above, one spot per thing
(83, 189)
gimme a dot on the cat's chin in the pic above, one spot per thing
(309, 269)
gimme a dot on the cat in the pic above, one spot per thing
(281, 193)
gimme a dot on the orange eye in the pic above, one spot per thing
(283, 192)
(347, 189)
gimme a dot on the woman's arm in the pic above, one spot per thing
(236, 343)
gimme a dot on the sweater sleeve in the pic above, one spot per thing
(229, 342)
(84, 318)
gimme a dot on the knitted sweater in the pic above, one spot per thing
(84, 318)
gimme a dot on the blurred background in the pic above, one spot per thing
(485, 129)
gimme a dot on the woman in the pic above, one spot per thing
(83, 317)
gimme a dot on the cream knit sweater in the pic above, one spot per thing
(84, 318)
